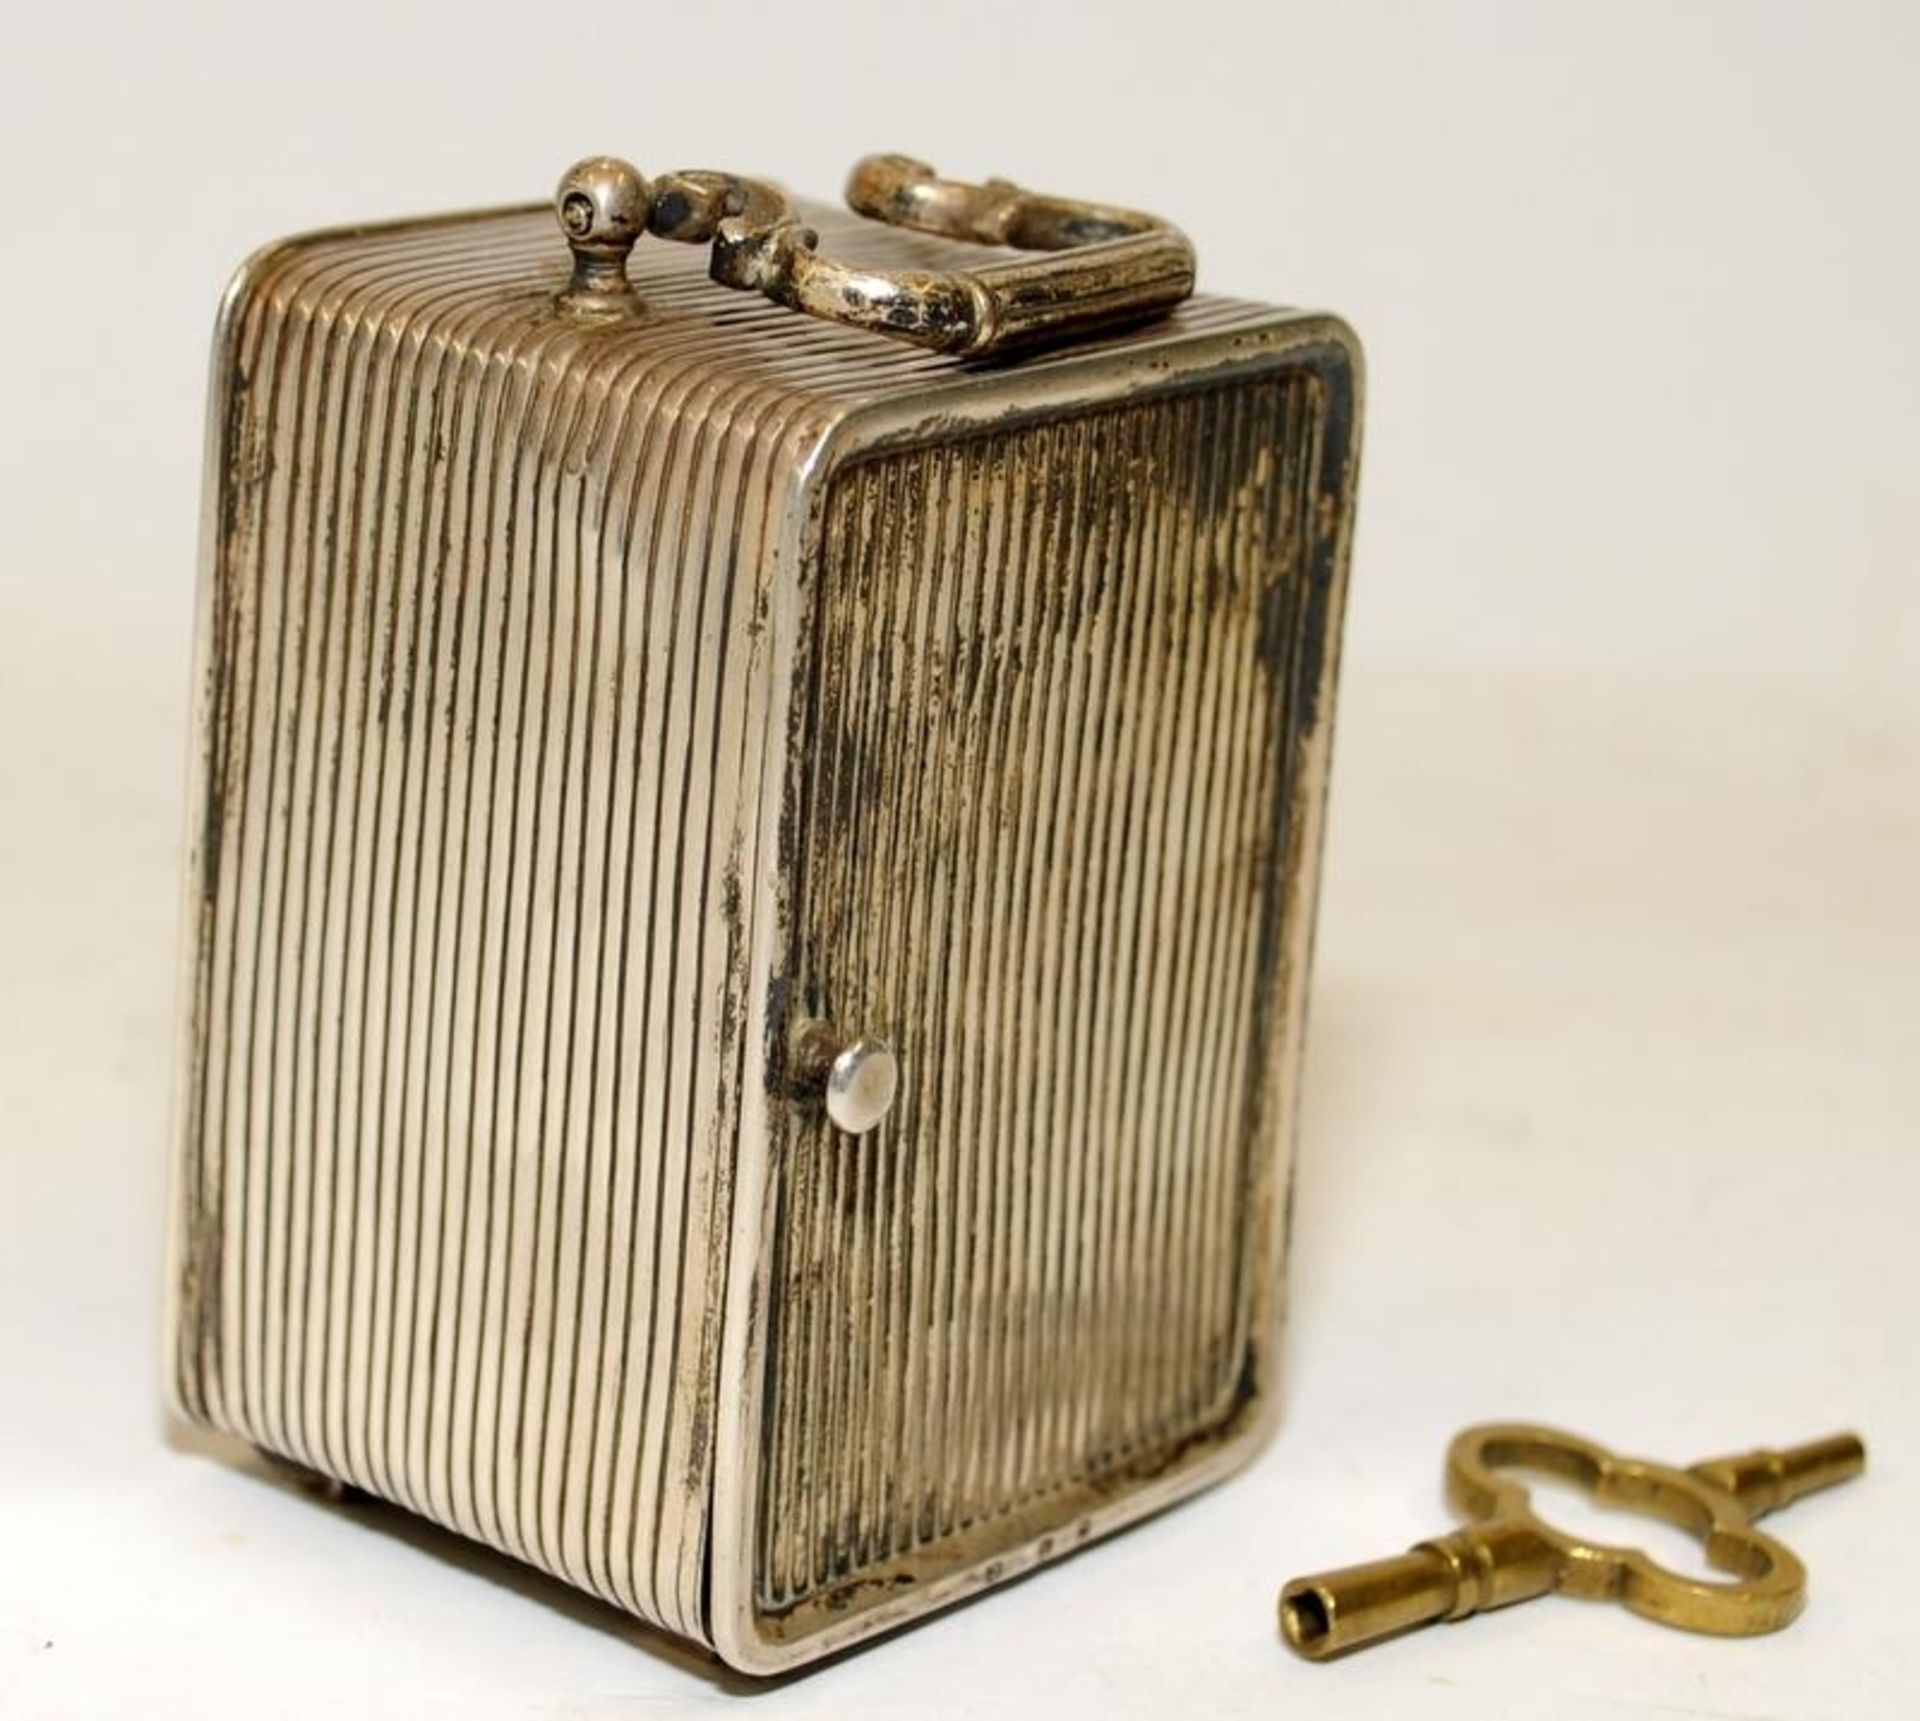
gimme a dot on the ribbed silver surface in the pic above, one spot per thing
(1041, 831)
(462, 1091)
(492, 677)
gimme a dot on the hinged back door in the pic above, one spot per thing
(1054, 680)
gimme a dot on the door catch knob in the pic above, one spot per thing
(855, 1078)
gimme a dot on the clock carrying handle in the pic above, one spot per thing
(1095, 267)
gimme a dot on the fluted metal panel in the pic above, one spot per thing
(1042, 838)
(481, 713)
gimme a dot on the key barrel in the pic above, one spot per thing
(1450, 1577)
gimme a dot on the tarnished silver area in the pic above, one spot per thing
(603, 676)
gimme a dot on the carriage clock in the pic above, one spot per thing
(756, 805)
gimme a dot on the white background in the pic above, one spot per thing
(1613, 1104)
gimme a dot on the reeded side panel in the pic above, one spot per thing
(483, 732)
(1053, 683)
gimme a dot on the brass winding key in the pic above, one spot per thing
(1508, 1554)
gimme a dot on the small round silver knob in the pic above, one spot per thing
(861, 1084)
(857, 1079)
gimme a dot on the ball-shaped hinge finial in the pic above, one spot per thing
(603, 206)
